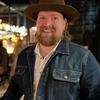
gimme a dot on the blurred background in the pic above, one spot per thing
(17, 32)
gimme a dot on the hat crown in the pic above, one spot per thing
(55, 2)
(53, 5)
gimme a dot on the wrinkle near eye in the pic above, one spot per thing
(41, 18)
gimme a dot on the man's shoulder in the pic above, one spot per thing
(75, 47)
(27, 49)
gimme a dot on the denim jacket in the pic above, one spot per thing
(72, 73)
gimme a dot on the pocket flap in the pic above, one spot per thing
(66, 75)
(20, 70)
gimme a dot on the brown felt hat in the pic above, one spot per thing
(68, 11)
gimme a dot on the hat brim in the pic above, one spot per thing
(69, 12)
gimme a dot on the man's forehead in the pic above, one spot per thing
(49, 12)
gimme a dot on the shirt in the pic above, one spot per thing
(39, 66)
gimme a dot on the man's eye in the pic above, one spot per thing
(41, 18)
(55, 18)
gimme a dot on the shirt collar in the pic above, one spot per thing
(38, 52)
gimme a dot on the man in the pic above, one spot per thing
(54, 68)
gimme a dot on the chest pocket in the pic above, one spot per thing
(20, 70)
(66, 75)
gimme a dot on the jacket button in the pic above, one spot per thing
(65, 76)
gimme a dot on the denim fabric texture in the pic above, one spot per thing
(72, 73)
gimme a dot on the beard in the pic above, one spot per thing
(47, 40)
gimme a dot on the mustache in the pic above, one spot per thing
(47, 28)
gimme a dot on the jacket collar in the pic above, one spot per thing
(63, 47)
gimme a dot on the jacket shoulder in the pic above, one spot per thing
(79, 49)
(28, 48)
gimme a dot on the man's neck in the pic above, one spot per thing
(44, 50)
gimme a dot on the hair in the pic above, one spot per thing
(1, 43)
(67, 36)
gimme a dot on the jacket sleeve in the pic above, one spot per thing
(90, 84)
(12, 92)
(18, 85)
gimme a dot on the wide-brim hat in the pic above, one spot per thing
(68, 11)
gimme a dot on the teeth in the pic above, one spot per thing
(46, 31)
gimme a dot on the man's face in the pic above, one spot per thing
(50, 26)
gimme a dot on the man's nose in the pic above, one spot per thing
(48, 22)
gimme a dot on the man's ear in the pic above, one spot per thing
(66, 24)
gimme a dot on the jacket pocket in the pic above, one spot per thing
(20, 70)
(66, 75)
